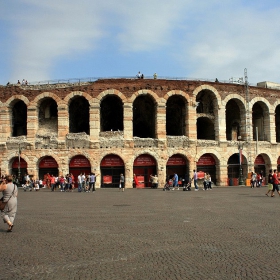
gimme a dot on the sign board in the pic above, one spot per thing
(79, 161)
(107, 179)
(200, 175)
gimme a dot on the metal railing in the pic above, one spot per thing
(94, 79)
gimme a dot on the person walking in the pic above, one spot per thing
(122, 182)
(275, 183)
(270, 182)
(10, 193)
(194, 178)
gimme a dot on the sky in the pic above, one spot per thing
(207, 39)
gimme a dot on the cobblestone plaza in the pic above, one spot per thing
(226, 233)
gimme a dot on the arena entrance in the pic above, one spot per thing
(47, 166)
(234, 169)
(19, 166)
(143, 167)
(259, 166)
(79, 164)
(207, 163)
(111, 166)
(177, 164)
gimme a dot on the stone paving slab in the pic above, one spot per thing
(226, 233)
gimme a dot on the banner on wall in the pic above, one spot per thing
(23, 163)
(144, 160)
(176, 160)
(48, 162)
(79, 161)
(259, 160)
(206, 159)
(111, 160)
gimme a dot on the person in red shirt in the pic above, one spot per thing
(275, 183)
(53, 183)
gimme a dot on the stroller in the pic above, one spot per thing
(168, 185)
(28, 186)
(187, 187)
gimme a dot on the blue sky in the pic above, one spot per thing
(64, 39)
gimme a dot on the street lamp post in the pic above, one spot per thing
(240, 148)
(19, 153)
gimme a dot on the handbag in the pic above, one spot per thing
(2, 203)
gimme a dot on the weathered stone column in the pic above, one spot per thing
(191, 123)
(220, 124)
(271, 133)
(127, 121)
(5, 123)
(94, 121)
(32, 123)
(222, 175)
(63, 121)
(161, 121)
(128, 176)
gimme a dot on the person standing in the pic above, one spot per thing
(154, 180)
(92, 180)
(175, 182)
(122, 182)
(135, 181)
(194, 178)
(275, 183)
(10, 193)
(80, 182)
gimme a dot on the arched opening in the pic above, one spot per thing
(260, 120)
(144, 117)
(259, 165)
(77, 165)
(206, 102)
(19, 168)
(79, 115)
(207, 163)
(47, 167)
(111, 166)
(144, 166)
(233, 120)
(47, 115)
(111, 113)
(176, 116)
(234, 169)
(178, 164)
(19, 119)
(205, 129)
(277, 123)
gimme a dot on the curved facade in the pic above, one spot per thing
(140, 127)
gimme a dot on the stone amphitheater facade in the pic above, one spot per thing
(190, 121)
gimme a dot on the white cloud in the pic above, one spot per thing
(206, 39)
(229, 41)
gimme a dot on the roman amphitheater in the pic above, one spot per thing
(142, 127)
